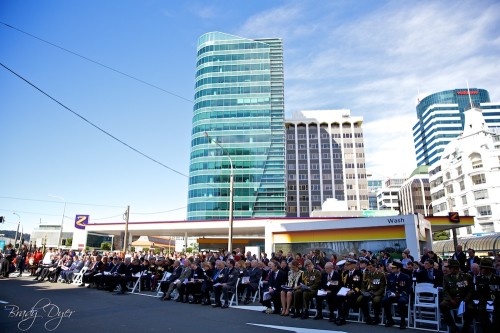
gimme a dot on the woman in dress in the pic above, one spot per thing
(294, 281)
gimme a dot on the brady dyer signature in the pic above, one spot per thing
(43, 311)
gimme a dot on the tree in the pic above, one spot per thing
(441, 235)
(106, 246)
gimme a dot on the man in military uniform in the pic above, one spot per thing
(303, 296)
(373, 288)
(457, 287)
(331, 282)
(486, 295)
(398, 291)
(352, 280)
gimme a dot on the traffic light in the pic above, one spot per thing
(2, 219)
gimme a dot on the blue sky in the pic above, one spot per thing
(372, 57)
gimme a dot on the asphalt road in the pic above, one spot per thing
(30, 306)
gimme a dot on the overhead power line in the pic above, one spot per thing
(57, 201)
(165, 211)
(94, 125)
(98, 63)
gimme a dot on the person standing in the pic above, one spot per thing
(460, 256)
(21, 258)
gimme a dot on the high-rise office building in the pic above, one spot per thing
(239, 103)
(325, 159)
(440, 119)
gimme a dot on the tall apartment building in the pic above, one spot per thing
(239, 103)
(325, 159)
(440, 119)
(414, 194)
(467, 177)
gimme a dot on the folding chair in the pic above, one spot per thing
(234, 296)
(257, 292)
(78, 277)
(137, 284)
(165, 276)
(426, 306)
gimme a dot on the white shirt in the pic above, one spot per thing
(46, 259)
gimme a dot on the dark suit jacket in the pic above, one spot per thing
(461, 257)
(232, 277)
(277, 280)
(175, 274)
(437, 277)
(335, 282)
(399, 285)
(475, 260)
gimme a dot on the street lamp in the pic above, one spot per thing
(18, 225)
(231, 186)
(62, 221)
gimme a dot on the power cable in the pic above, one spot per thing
(166, 211)
(92, 124)
(98, 63)
(68, 202)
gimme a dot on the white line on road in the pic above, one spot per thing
(297, 329)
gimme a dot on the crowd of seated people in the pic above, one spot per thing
(289, 285)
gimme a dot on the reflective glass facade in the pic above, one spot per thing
(239, 102)
(440, 119)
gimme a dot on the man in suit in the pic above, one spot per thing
(331, 282)
(473, 259)
(217, 278)
(461, 257)
(272, 293)
(96, 268)
(165, 285)
(227, 285)
(132, 267)
(397, 291)
(430, 275)
(181, 283)
(254, 275)
(352, 280)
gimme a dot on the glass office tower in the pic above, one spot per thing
(239, 102)
(440, 119)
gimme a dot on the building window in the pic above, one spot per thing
(292, 209)
(481, 194)
(314, 166)
(464, 200)
(316, 197)
(449, 188)
(327, 176)
(304, 209)
(325, 155)
(462, 185)
(302, 146)
(478, 179)
(484, 210)
(326, 166)
(290, 157)
(315, 176)
(302, 177)
(291, 187)
(302, 156)
(291, 166)
(315, 187)
(459, 170)
(302, 166)
(290, 136)
(290, 146)
(302, 136)
(313, 146)
(291, 176)
(314, 156)
(324, 135)
(303, 187)
(327, 187)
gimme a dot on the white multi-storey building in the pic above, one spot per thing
(325, 158)
(388, 195)
(467, 177)
(414, 194)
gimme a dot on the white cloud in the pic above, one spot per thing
(376, 64)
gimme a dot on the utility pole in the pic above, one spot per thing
(125, 239)
(17, 231)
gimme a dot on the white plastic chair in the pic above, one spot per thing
(78, 277)
(165, 276)
(234, 296)
(426, 306)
